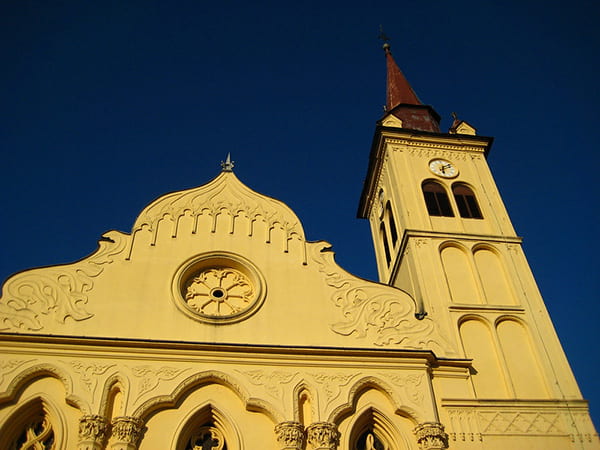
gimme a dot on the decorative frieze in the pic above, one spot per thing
(431, 436)
(322, 436)
(93, 432)
(126, 432)
(290, 435)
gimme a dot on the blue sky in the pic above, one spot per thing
(107, 105)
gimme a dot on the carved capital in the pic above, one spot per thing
(93, 431)
(322, 436)
(431, 436)
(126, 432)
(290, 435)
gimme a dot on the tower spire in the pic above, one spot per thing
(398, 89)
(402, 101)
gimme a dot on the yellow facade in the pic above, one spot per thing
(214, 324)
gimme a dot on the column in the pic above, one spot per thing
(93, 432)
(126, 432)
(431, 436)
(290, 435)
(322, 436)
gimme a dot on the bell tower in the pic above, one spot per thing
(441, 233)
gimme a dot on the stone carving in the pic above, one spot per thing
(8, 365)
(384, 314)
(271, 381)
(431, 436)
(89, 374)
(519, 422)
(225, 195)
(464, 425)
(332, 384)
(322, 436)
(290, 435)
(207, 438)
(150, 377)
(93, 432)
(219, 292)
(127, 430)
(411, 385)
(34, 297)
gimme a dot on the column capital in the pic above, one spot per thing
(93, 432)
(431, 436)
(323, 436)
(126, 432)
(290, 435)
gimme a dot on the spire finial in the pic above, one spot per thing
(385, 39)
(227, 166)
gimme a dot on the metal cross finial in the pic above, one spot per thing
(227, 166)
(454, 116)
(384, 38)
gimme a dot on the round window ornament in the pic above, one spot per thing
(219, 288)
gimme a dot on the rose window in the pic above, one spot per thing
(219, 288)
(219, 291)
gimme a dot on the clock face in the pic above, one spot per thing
(443, 168)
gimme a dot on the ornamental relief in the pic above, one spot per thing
(383, 315)
(437, 147)
(430, 153)
(272, 381)
(32, 299)
(223, 195)
(150, 377)
(412, 387)
(10, 365)
(89, 373)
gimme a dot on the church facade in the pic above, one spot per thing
(214, 324)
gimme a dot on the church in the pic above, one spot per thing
(214, 323)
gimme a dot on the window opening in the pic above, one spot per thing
(466, 202)
(392, 223)
(36, 434)
(369, 441)
(386, 247)
(207, 438)
(436, 199)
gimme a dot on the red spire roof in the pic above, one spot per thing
(398, 89)
(403, 103)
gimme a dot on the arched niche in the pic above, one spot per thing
(493, 278)
(522, 364)
(479, 345)
(459, 274)
(207, 427)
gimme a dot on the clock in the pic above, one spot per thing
(443, 168)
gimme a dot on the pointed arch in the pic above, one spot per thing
(389, 216)
(374, 430)
(19, 382)
(207, 423)
(36, 423)
(363, 385)
(305, 404)
(114, 396)
(155, 404)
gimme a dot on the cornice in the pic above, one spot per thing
(150, 349)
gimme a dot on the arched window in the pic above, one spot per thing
(31, 428)
(386, 247)
(207, 429)
(466, 202)
(392, 224)
(369, 441)
(436, 199)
